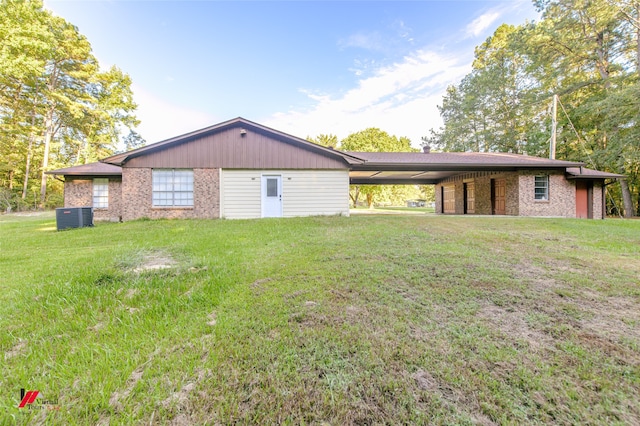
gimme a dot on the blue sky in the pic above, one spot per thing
(301, 67)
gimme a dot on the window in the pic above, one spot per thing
(272, 187)
(173, 188)
(541, 188)
(101, 193)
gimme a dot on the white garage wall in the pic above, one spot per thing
(304, 192)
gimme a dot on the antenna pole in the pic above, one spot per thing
(554, 125)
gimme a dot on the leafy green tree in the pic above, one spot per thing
(585, 51)
(376, 140)
(594, 55)
(329, 140)
(56, 106)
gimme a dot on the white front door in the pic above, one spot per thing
(271, 196)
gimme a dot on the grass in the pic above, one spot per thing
(415, 210)
(325, 320)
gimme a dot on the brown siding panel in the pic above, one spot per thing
(228, 149)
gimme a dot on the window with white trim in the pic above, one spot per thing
(172, 188)
(101, 193)
(541, 188)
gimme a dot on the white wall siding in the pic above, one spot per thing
(315, 192)
(304, 192)
(240, 194)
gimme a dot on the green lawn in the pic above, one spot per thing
(328, 320)
(409, 209)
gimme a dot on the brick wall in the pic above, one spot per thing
(137, 196)
(598, 200)
(482, 182)
(562, 195)
(78, 192)
(520, 199)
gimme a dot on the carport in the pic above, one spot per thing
(490, 183)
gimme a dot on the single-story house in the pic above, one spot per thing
(241, 169)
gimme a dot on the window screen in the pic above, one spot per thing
(542, 188)
(101, 193)
(173, 188)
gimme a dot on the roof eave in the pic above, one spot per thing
(84, 174)
(595, 177)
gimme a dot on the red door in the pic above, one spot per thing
(582, 200)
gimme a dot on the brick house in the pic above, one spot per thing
(241, 169)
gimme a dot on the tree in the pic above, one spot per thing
(375, 140)
(585, 51)
(56, 106)
(595, 53)
(329, 140)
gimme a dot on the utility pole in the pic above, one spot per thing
(554, 125)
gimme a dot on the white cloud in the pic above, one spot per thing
(400, 99)
(481, 23)
(369, 41)
(161, 119)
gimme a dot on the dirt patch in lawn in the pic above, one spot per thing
(512, 323)
(155, 261)
(17, 349)
(117, 397)
(451, 397)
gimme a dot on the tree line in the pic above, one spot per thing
(587, 52)
(57, 107)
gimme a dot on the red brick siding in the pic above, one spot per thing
(562, 195)
(138, 197)
(598, 204)
(483, 194)
(482, 182)
(520, 198)
(78, 192)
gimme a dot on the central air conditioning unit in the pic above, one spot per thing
(74, 217)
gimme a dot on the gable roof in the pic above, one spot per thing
(241, 123)
(91, 169)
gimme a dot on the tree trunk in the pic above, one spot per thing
(27, 167)
(626, 198)
(355, 197)
(637, 22)
(370, 200)
(48, 136)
